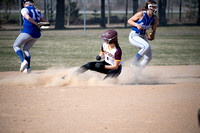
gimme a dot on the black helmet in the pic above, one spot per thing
(110, 36)
(24, 1)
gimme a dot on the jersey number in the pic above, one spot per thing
(35, 16)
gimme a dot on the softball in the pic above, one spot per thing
(150, 33)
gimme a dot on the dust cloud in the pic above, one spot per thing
(53, 77)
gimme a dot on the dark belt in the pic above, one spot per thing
(139, 33)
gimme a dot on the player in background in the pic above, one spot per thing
(141, 22)
(29, 35)
(110, 49)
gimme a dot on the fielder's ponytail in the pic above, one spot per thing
(36, 7)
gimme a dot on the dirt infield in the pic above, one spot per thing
(160, 99)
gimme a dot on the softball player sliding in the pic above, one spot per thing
(29, 34)
(110, 49)
(142, 21)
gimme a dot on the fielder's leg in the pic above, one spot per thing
(21, 39)
(140, 42)
(26, 49)
(146, 60)
(136, 60)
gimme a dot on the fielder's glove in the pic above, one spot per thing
(99, 65)
(45, 24)
(98, 57)
(39, 26)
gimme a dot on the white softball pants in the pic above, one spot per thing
(26, 40)
(141, 42)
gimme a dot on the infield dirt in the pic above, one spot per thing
(160, 99)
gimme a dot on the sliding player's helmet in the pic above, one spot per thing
(110, 36)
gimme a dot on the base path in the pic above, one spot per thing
(160, 99)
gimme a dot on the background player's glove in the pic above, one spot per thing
(98, 57)
(150, 37)
(99, 65)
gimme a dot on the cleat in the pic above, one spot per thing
(23, 65)
(27, 70)
(132, 65)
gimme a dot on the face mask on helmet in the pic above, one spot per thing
(152, 7)
(108, 41)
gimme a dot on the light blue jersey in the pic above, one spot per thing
(145, 22)
(28, 27)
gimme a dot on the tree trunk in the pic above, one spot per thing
(162, 12)
(69, 12)
(109, 12)
(168, 9)
(45, 10)
(102, 23)
(52, 10)
(135, 6)
(180, 10)
(60, 12)
(172, 12)
(198, 21)
(125, 17)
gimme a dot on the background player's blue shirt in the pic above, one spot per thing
(30, 28)
(145, 22)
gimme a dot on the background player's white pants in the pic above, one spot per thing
(26, 40)
(141, 42)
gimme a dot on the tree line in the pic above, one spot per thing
(162, 5)
(164, 8)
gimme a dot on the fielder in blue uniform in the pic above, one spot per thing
(29, 35)
(141, 22)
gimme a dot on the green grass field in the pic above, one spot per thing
(174, 45)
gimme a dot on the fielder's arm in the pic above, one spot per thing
(30, 19)
(134, 18)
(152, 36)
